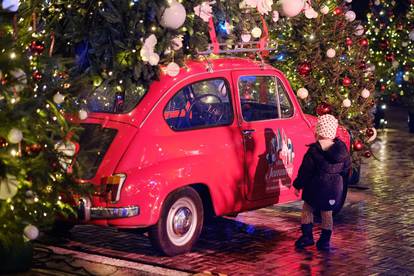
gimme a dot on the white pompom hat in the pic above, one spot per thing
(326, 126)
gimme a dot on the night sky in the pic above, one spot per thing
(361, 7)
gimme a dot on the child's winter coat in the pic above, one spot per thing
(322, 174)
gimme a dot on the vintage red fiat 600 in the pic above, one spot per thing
(222, 137)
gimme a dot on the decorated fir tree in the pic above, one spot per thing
(324, 54)
(408, 62)
(35, 138)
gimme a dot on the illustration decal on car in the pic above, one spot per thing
(280, 158)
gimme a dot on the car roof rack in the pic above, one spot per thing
(241, 47)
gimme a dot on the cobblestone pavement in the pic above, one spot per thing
(373, 235)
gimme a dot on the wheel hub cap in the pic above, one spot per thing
(182, 221)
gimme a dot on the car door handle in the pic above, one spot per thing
(248, 131)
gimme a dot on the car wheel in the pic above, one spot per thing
(180, 223)
(62, 226)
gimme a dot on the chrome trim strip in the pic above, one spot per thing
(114, 212)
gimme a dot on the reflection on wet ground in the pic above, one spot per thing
(373, 235)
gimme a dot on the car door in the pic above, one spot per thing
(273, 132)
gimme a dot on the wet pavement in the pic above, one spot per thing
(373, 235)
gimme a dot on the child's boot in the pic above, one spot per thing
(307, 236)
(323, 242)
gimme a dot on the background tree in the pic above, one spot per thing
(323, 51)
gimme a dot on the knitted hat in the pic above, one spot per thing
(326, 126)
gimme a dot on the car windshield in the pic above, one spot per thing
(108, 99)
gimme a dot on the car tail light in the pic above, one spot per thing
(113, 186)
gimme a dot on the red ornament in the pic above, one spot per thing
(367, 154)
(337, 11)
(348, 41)
(357, 145)
(346, 81)
(37, 47)
(323, 109)
(384, 44)
(363, 42)
(389, 57)
(369, 132)
(37, 76)
(304, 69)
(383, 87)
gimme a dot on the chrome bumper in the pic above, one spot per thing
(86, 212)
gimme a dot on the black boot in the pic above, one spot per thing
(307, 236)
(323, 242)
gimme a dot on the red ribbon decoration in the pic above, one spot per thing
(213, 36)
(263, 40)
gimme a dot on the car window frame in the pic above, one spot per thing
(277, 100)
(230, 97)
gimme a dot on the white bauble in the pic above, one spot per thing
(256, 32)
(365, 93)
(348, 1)
(330, 53)
(411, 35)
(376, 147)
(350, 16)
(359, 30)
(275, 16)
(324, 9)
(372, 138)
(292, 8)
(173, 69)
(377, 2)
(15, 136)
(8, 186)
(31, 232)
(58, 98)
(302, 93)
(83, 114)
(246, 37)
(173, 16)
(404, 44)
(10, 5)
(406, 77)
(154, 58)
(395, 64)
(346, 103)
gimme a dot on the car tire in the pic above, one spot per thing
(180, 223)
(62, 226)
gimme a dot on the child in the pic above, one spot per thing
(321, 175)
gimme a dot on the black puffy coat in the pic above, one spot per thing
(322, 174)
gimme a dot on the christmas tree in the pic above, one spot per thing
(387, 54)
(324, 54)
(408, 62)
(35, 138)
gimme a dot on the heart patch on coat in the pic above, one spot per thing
(332, 201)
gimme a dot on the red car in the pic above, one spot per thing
(222, 137)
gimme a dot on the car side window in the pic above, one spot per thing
(258, 98)
(198, 105)
(286, 106)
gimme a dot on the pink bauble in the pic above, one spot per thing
(292, 8)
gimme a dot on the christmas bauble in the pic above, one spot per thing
(363, 42)
(303, 93)
(15, 136)
(172, 69)
(359, 30)
(357, 145)
(389, 57)
(292, 8)
(411, 35)
(324, 9)
(330, 53)
(395, 64)
(383, 44)
(8, 186)
(31, 232)
(371, 133)
(173, 16)
(83, 114)
(311, 13)
(375, 147)
(37, 76)
(246, 37)
(323, 109)
(304, 69)
(346, 103)
(10, 5)
(256, 32)
(365, 93)
(383, 87)
(350, 16)
(367, 154)
(58, 98)
(346, 81)
(348, 41)
(37, 47)
(337, 11)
